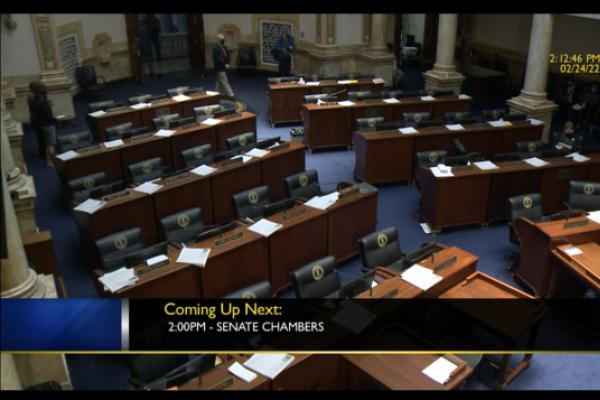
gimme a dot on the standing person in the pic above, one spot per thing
(221, 62)
(145, 45)
(42, 119)
(153, 25)
(285, 47)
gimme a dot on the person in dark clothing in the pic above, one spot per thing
(567, 139)
(145, 45)
(42, 119)
(285, 48)
(221, 62)
(153, 26)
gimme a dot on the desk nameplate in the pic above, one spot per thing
(229, 239)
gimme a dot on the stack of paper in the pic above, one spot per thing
(114, 143)
(485, 165)
(534, 121)
(269, 365)
(164, 133)
(203, 170)
(98, 113)
(139, 106)
(197, 257)
(346, 103)
(313, 83)
(594, 216)
(211, 93)
(427, 98)
(378, 80)
(244, 374)
(264, 227)
(118, 279)
(157, 259)
(421, 277)
(391, 100)
(536, 162)
(68, 155)
(147, 187)
(323, 202)
(181, 97)
(211, 121)
(499, 123)
(408, 131)
(244, 158)
(90, 206)
(455, 127)
(573, 251)
(464, 97)
(260, 153)
(440, 370)
(441, 172)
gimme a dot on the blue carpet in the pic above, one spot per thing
(397, 206)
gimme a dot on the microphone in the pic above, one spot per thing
(336, 93)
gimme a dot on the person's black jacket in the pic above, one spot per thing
(220, 57)
(41, 112)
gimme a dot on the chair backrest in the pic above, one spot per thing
(493, 114)
(584, 195)
(359, 95)
(73, 141)
(317, 279)
(462, 159)
(241, 140)
(116, 131)
(313, 98)
(532, 146)
(527, 206)
(87, 182)
(459, 146)
(249, 203)
(85, 75)
(416, 116)
(100, 105)
(511, 156)
(98, 191)
(260, 290)
(150, 367)
(178, 90)
(204, 112)
(182, 226)
(142, 98)
(380, 248)
(146, 170)
(164, 120)
(431, 158)
(198, 155)
(457, 116)
(304, 184)
(114, 248)
(369, 124)
(247, 57)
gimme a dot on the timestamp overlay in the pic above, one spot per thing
(576, 63)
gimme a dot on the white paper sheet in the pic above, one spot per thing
(578, 157)
(264, 227)
(164, 133)
(391, 100)
(118, 279)
(68, 155)
(114, 143)
(594, 216)
(536, 162)
(440, 370)
(274, 145)
(534, 121)
(139, 106)
(90, 206)
(408, 131)
(260, 153)
(203, 170)
(313, 83)
(427, 98)
(97, 114)
(421, 277)
(323, 202)
(181, 97)
(485, 165)
(346, 103)
(147, 187)
(455, 127)
(573, 251)
(212, 93)
(269, 365)
(378, 80)
(211, 121)
(244, 374)
(157, 259)
(443, 172)
(464, 97)
(499, 123)
(244, 158)
(197, 257)
(374, 284)
(426, 228)
(344, 82)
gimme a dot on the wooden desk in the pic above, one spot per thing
(39, 249)
(151, 147)
(186, 138)
(311, 372)
(144, 117)
(538, 240)
(301, 239)
(480, 196)
(280, 163)
(332, 125)
(284, 100)
(349, 219)
(389, 156)
(586, 266)
(233, 125)
(99, 160)
(217, 375)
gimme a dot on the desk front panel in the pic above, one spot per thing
(383, 158)
(105, 161)
(225, 184)
(190, 138)
(179, 196)
(279, 165)
(99, 125)
(328, 127)
(149, 148)
(234, 127)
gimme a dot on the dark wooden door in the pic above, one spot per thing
(135, 63)
(196, 46)
(429, 41)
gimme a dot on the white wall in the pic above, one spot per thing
(92, 24)
(308, 28)
(576, 35)
(19, 50)
(348, 29)
(212, 22)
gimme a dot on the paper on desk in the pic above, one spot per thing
(391, 100)
(90, 206)
(264, 227)
(260, 153)
(485, 165)
(98, 113)
(164, 133)
(323, 202)
(421, 277)
(439, 173)
(573, 251)
(114, 143)
(203, 170)
(455, 127)
(269, 365)
(139, 106)
(344, 82)
(499, 123)
(212, 93)
(313, 83)
(346, 103)
(440, 370)
(211, 121)
(61, 116)
(192, 256)
(244, 374)
(244, 158)
(427, 98)
(374, 284)
(408, 131)
(276, 144)
(181, 97)
(157, 259)
(301, 81)
(577, 157)
(118, 279)
(147, 187)
(426, 228)
(534, 121)
(464, 97)
(594, 216)
(378, 80)
(68, 155)
(536, 162)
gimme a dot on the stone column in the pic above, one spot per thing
(532, 100)
(381, 61)
(444, 76)
(53, 74)
(10, 377)
(378, 26)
